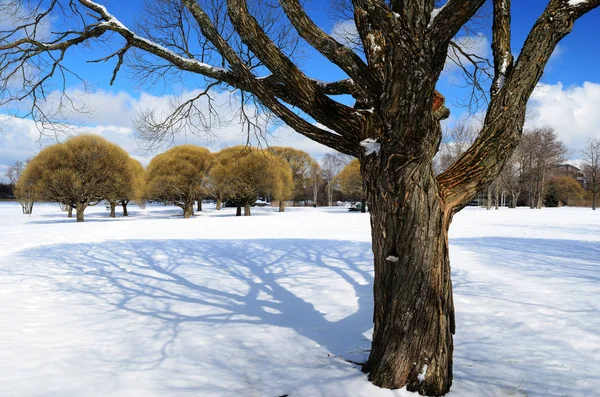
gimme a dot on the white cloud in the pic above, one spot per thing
(113, 117)
(571, 111)
(345, 32)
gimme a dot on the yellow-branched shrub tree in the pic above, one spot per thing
(301, 165)
(244, 174)
(179, 176)
(351, 183)
(79, 172)
(128, 186)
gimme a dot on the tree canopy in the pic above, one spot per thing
(179, 176)
(80, 172)
(244, 174)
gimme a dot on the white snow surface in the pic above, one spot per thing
(275, 303)
(576, 2)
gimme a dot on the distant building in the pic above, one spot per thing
(571, 171)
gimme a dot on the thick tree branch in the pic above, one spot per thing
(337, 53)
(447, 21)
(332, 114)
(478, 166)
(248, 82)
(503, 58)
(415, 13)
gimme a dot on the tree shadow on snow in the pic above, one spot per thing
(280, 282)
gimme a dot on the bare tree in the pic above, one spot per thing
(545, 151)
(331, 165)
(591, 168)
(393, 126)
(455, 141)
(316, 181)
(13, 173)
(513, 175)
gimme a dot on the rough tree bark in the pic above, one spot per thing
(124, 204)
(69, 211)
(79, 209)
(393, 129)
(281, 206)
(113, 207)
(188, 209)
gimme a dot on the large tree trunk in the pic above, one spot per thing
(238, 210)
(247, 209)
(124, 204)
(414, 314)
(79, 209)
(113, 206)
(219, 204)
(70, 211)
(281, 206)
(199, 208)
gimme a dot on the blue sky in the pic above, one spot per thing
(568, 98)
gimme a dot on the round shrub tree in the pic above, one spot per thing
(179, 175)
(351, 183)
(80, 172)
(244, 174)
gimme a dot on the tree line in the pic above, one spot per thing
(536, 174)
(87, 169)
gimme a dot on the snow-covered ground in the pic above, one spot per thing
(275, 304)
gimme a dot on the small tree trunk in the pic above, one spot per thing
(219, 204)
(414, 313)
(281, 206)
(124, 204)
(199, 209)
(497, 188)
(79, 208)
(69, 211)
(113, 206)
(540, 194)
(247, 209)
(488, 204)
(188, 209)
(594, 199)
(513, 200)
(363, 205)
(238, 211)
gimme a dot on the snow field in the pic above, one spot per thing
(276, 303)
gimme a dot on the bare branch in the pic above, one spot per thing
(448, 20)
(337, 53)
